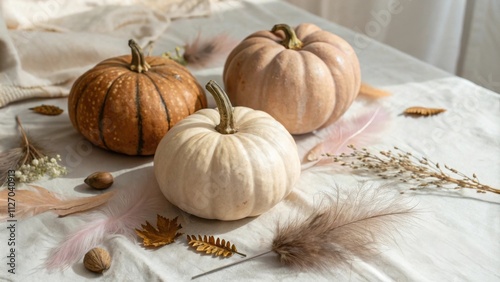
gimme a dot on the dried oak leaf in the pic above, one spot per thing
(48, 110)
(423, 111)
(210, 245)
(164, 235)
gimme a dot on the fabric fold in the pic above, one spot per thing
(45, 48)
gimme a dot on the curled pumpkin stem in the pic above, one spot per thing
(226, 125)
(138, 63)
(291, 40)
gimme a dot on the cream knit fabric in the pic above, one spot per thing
(46, 44)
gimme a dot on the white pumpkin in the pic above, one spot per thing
(227, 164)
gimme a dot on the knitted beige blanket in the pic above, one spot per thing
(46, 44)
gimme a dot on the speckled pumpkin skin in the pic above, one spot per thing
(129, 112)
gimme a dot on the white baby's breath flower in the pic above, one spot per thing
(54, 172)
(32, 163)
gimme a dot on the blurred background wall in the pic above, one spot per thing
(458, 36)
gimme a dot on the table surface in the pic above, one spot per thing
(454, 237)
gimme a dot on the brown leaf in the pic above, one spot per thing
(49, 110)
(368, 91)
(32, 202)
(210, 245)
(164, 235)
(423, 111)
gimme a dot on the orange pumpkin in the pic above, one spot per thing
(305, 78)
(127, 104)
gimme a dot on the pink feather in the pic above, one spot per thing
(206, 51)
(130, 207)
(359, 131)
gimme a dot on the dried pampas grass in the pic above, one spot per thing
(340, 228)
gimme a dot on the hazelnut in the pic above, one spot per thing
(99, 180)
(97, 260)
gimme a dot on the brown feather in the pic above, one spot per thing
(338, 230)
(343, 226)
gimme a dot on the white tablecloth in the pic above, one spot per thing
(454, 238)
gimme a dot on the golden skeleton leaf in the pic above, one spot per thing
(423, 111)
(48, 110)
(163, 235)
(211, 245)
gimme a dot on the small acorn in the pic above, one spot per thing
(97, 260)
(99, 180)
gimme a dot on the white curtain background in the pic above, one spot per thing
(459, 36)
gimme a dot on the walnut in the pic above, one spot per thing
(99, 180)
(97, 260)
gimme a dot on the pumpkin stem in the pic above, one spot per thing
(138, 63)
(291, 40)
(226, 125)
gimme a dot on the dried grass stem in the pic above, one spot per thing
(410, 169)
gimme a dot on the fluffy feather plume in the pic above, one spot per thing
(359, 130)
(130, 207)
(204, 52)
(39, 200)
(338, 229)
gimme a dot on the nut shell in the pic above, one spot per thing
(97, 260)
(99, 180)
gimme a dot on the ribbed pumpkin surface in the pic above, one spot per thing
(228, 163)
(126, 111)
(308, 83)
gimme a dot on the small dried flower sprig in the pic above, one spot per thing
(40, 167)
(408, 168)
(29, 161)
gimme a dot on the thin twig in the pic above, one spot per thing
(231, 264)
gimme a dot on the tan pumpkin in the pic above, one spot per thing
(126, 104)
(226, 164)
(305, 78)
